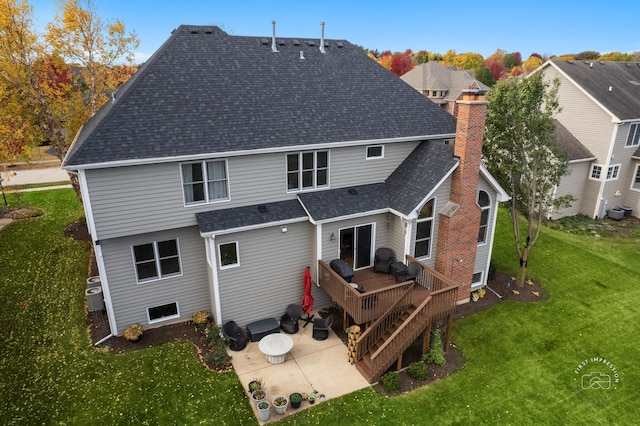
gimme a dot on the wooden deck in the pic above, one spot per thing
(371, 280)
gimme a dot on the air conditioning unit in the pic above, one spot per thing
(94, 281)
(95, 302)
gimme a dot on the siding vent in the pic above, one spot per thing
(262, 208)
(353, 191)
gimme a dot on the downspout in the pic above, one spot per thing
(493, 232)
(318, 251)
(216, 281)
(603, 175)
(97, 248)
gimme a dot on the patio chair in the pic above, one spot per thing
(410, 274)
(321, 327)
(383, 260)
(236, 336)
(289, 320)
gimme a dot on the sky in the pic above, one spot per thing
(545, 27)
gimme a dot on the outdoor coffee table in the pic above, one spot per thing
(275, 347)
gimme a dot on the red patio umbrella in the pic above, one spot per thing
(307, 299)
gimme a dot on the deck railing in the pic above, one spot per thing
(430, 278)
(380, 326)
(362, 307)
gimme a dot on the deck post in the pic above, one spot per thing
(345, 317)
(399, 366)
(427, 338)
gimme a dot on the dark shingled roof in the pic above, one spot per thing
(623, 100)
(240, 217)
(566, 140)
(205, 91)
(419, 174)
(405, 188)
(334, 203)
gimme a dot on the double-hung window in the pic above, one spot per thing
(633, 139)
(636, 179)
(484, 202)
(156, 260)
(424, 230)
(205, 181)
(307, 170)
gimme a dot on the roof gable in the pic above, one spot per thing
(615, 86)
(433, 76)
(205, 91)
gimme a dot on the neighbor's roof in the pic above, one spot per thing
(433, 76)
(206, 92)
(566, 140)
(614, 85)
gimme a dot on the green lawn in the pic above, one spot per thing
(520, 358)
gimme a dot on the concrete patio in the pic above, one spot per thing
(311, 365)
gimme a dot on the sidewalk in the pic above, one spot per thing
(31, 176)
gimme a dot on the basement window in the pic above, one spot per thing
(163, 312)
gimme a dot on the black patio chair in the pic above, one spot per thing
(236, 336)
(289, 320)
(321, 327)
(410, 274)
(383, 260)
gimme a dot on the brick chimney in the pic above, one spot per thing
(458, 232)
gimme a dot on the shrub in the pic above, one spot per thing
(418, 370)
(133, 332)
(218, 357)
(436, 353)
(391, 380)
(200, 319)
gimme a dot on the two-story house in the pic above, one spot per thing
(601, 112)
(443, 85)
(228, 164)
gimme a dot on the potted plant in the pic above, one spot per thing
(133, 333)
(255, 384)
(295, 399)
(263, 411)
(280, 403)
(259, 395)
(312, 399)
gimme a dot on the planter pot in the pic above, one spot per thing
(312, 400)
(254, 385)
(263, 411)
(295, 399)
(280, 404)
(259, 395)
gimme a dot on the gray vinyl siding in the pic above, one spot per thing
(131, 300)
(139, 199)
(396, 239)
(442, 195)
(483, 251)
(583, 118)
(574, 184)
(270, 274)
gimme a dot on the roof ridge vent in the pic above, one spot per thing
(322, 38)
(274, 48)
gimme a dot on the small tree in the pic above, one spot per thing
(521, 152)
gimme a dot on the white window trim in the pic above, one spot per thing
(162, 319)
(433, 227)
(636, 171)
(612, 168)
(637, 130)
(478, 284)
(233, 265)
(486, 234)
(156, 258)
(601, 172)
(206, 183)
(315, 171)
(371, 157)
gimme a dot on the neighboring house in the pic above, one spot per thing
(443, 85)
(601, 118)
(227, 164)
